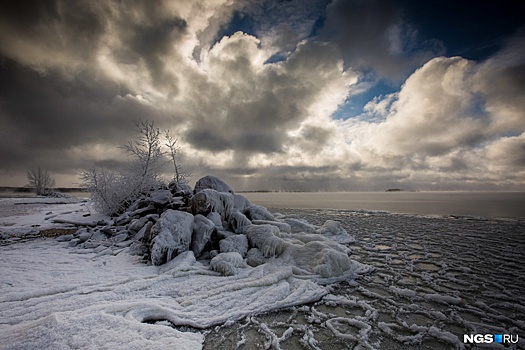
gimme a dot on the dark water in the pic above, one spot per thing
(480, 204)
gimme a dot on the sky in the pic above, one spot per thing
(309, 95)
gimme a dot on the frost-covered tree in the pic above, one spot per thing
(147, 157)
(40, 180)
(180, 176)
(114, 191)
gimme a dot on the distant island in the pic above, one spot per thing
(395, 190)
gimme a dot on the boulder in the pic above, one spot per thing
(235, 243)
(283, 226)
(265, 237)
(208, 200)
(202, 231)
(300, 226)
(258, 212)
(227, 263)
(160, 198)
(179, 189)
(333, 230)
(144, 233)
(241, 203)
(171, 235)
(238, 221)
(212, 182)
(255, 257)
(216, 219)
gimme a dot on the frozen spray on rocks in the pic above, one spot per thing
(225, 230)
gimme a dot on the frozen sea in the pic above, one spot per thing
(439, 273)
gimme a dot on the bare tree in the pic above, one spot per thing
(114, 191)
(40, 180)
(148, 156)
(180, 176)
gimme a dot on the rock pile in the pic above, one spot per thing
(219, 227)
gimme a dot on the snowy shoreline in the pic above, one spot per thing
(436, 279)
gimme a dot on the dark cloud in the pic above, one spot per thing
(374, 35)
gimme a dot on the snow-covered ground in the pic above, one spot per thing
(53, 296)
(435, 279)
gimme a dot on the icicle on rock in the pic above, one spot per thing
(237, 221)
(203, 228)
(171, 235)
(265, 237)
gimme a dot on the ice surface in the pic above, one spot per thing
(435, 279)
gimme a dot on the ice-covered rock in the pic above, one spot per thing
(64, 238)
(283, 226)
(137, 224)
(216, 219)
(144, 233)
(171, 235)
(241, 203)
(83, 234)
(258, 212)
(300, 225)
(227, 263)
(179, 189)
(202, 231)
(321, 257)
(336, 232)
(211, 200)
(160, 198)
(255, 257)
(212, 182)
(235, 243)
(264, 237)
(237, 221)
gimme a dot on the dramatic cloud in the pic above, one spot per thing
(374, 35)
(250, 89)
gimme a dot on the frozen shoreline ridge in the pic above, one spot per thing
(435, 279)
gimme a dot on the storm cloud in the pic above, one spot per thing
(255, 104)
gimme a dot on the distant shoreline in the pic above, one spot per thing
(31, 190)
